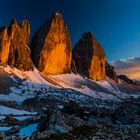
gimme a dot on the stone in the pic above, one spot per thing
(14, 50)
(59, 123)
(51, 47)
(2, 135)
(89, 57)
(110, 72)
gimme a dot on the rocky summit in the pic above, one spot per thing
(90, 57)
(14, 49)
(51, 47)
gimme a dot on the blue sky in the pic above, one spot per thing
(115, 23)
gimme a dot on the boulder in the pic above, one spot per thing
(51, 47)
(90, 57)
(14, 50)
(58, 123)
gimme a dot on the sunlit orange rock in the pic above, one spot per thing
(51, 47)
(14, 49)
(4, 46)
(90, 57)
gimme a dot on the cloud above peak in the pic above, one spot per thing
(129, 67)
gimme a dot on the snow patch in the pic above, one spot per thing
(108, 90)
(12, 97)
(2, 117)
(2, 129)
(4, 110)
(21, 118)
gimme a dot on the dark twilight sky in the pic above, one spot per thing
(115, 23)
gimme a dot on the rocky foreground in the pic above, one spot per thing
(70, 120)
(66, 107)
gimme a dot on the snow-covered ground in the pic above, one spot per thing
(12, 97)
(32, 76)
(105, 89)
(4, 128)
(2, 117)
(4, 110)
(21, 118)
(63, 89)
(33, 83)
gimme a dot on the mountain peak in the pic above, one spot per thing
(13, 23)
(89, 57)
(51, 47)
(14, 49)
(58, 13)
(87, 34)
(56, 16)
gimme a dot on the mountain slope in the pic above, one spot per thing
(106, 89)
(27, 83)
(58, 104)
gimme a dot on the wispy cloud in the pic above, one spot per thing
(129, 67)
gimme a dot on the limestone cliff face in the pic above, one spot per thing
(90, 57)
(14, 49)
(110, 72)
(25, 26)
(51, 47)
(4, 46)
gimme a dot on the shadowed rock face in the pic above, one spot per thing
(51, 47)
(14, 49)
(89, 57)
(110, 72)
(73, 66)
(127, 80)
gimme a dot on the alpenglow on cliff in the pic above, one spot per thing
(51, 50)
(51, 47)
(14, 50)
(90, 57)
